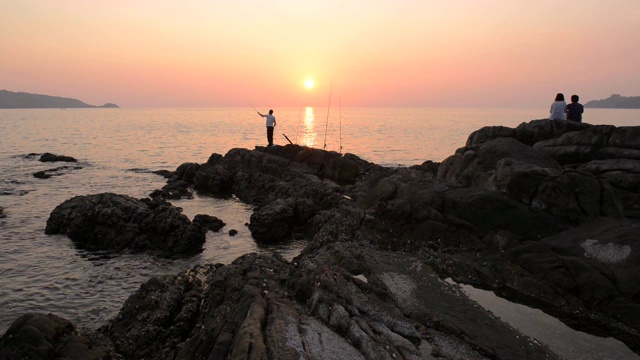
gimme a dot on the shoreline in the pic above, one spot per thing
(473, 217)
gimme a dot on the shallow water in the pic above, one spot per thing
(561, 339)
(118, 148)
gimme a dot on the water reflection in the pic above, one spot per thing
(309, 132)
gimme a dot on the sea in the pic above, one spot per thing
(117, 150)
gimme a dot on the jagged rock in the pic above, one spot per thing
(116, 222)
(533, 213)
(49, 157)
(59, 171)
(175, 189)
(264, 307)
(47, 336)
(272, 222)
(209, 222)
(164, 173)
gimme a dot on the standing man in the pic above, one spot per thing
(271, 123)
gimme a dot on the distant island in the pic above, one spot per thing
(616, 101)
(22, 100)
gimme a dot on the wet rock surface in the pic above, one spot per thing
(265, 307)
(118, 222)
(46, 336)
(49, 157)
(59, 171)
(209, 222)
(545, 214)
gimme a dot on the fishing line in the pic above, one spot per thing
(340, 121)
(298, 127)
(327, 124)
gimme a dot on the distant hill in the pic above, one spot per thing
(616, 101)
(22, 100)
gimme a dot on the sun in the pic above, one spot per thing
(309, 84)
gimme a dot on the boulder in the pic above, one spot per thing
(47, 336)
(492, 211)
(59, 171)
(577, 146)
(175, 189)
(116, 222)
(272, 222)
(342, 302)
(49, 157)
(209, 222)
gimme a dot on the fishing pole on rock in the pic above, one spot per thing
(327, 124)
(340, 121)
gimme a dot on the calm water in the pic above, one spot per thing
(117, 148)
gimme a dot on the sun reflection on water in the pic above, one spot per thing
(309, 132)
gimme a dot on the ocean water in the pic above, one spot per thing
(118, 149)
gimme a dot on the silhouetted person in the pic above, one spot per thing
(575, 109)
(558, 108)
(271, 123)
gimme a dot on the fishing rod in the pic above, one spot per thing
(253, 108)
(340, 121)
(298, 125)
(327, 124)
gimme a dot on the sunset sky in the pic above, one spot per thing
(436, 53)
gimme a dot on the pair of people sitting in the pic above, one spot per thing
(561, 111)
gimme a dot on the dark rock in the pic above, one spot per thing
(2, 214)
(578, 146)
(175, 189)
(264, 307)
(187, 171)
(272, 222)
(49, 157)
(40, 336)
(233, 232)
(491, 216)
(209, 222)
(428, 166)
(164, 173)
(59, 171)
(491, 210)
(117, 222)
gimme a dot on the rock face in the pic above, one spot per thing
(49, 157)
(209, 222)
(117, 222)
(59, 171)
(262, 307)
(40, 336)
(546, 214)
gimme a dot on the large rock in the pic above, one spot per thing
(59, 171)
(341, 303)
(49, 157)
(273, 222)
(116, 222)
(47, 336)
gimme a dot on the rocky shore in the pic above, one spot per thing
(546, 214)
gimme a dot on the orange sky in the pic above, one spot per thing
(463, 53)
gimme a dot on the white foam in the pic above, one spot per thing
(609, 253)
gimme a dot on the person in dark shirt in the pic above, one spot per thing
(575, 109)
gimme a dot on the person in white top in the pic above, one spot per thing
(271, 123)
(558, 109)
